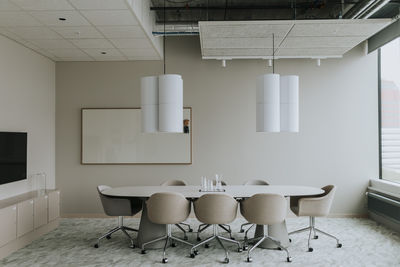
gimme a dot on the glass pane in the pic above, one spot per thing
(390, 110)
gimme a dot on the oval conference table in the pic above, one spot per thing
(149, 231)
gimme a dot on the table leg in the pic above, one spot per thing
(149, 231)
(277, 231)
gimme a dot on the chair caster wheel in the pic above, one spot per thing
(206, 245)
(315, 237)
(226, 260)
(165, 260)
(191, 230)
(173, 245)
(192, 255)
(232, 238)
(198, 239)
(196, 252)
(239, 250)
(108, 237)
(96, 245)
(245, 248)
(132, 246)
(339, 245)
(310, 249)
(143, 251)
(249, 259)
(241, 231)
(290, 240)
(279, 248)
(289, 259)
(185, 237)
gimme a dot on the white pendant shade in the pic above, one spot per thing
(268, 103)
(289, 103)
(149, 103)
(170, 101)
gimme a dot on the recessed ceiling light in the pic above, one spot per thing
(103, 53)
(62, 19)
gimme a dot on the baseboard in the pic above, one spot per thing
(26, 239)
(388, 222)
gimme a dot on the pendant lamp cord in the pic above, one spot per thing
(273, 53)
(164, 68)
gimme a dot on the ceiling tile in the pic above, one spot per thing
(312, 52)
(110, 17)
(321, 41)
(10, 35)
(51, 18)
(43, 4)
(131, 43)
(44, 44)
(78, 32)
(250, 42)
(7, 5)
(99, 4)
(122, 31)
(30, 33)
(92, 43)
(142, 52)
(234, 52)
(15, 18)
(67, 52)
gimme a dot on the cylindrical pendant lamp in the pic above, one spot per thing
(289, 98)
(268, 103)
(149, 103)
(170, 101)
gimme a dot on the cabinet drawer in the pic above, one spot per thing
(25, 217)
(54, 205)
(40, 211)
(8, 224)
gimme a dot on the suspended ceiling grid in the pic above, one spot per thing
(293, 38)
(92, 30)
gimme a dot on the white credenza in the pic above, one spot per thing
(25, 217)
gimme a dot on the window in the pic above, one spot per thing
(389, 64)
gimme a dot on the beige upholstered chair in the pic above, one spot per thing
(167, 208)
(216, 210)
(179, 225)
(116, 206)
(251, 182)
(225, 227)
(264, 209)
(314, 207)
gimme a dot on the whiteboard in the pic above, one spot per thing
(114, 136)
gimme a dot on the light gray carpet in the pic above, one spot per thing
(365, 243)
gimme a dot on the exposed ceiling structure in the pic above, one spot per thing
(82, 30)
(292, 38)
(192, 11)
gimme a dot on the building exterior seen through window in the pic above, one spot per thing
(390, 110)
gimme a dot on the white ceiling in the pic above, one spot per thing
(293, 38)
(94, 30)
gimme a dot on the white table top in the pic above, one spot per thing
(192, 191)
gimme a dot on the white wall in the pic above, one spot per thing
(337, 143)
(27, 104)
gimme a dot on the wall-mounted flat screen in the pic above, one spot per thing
(12, 156)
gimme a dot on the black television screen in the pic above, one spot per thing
(12, 157)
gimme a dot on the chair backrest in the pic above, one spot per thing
(256, 182)
(114, 206)
(173, 183)
(264, 209)
(215, 208)
(317, 206)
(167, 208)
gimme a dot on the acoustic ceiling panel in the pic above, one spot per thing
(293, 39)
(84, 30)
